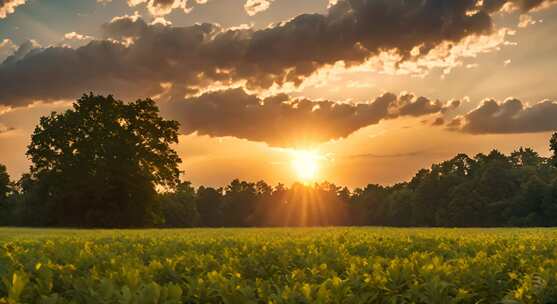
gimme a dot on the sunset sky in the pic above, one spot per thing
(365, 91)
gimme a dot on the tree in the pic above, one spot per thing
(209, 204)
(179, 207)
(399, 212)
(553, 147)
(5, 190)
(239, 203)
(5, 185)
(31, 199)
(102, 160)
(464, 209)
(496, 179)
(550, 205)
(525, 157)
(368, 205)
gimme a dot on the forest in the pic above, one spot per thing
(106, 163)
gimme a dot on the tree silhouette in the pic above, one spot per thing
(102, 160)
(209, 204)
(553, 147)
(240, 201)
(5, 190)
(5, 185)
(179, 208)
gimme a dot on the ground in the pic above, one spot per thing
(278, 265)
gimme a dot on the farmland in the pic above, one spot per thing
(278, 265)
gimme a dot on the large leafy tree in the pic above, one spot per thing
(102, 161)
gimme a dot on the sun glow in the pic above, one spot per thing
(306, 164)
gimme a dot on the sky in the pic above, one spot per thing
(367, 91)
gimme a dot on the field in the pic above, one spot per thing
(306, 265)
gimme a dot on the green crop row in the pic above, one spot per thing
(327, 265)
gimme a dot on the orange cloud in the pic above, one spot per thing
(281, 120)
(8, 7)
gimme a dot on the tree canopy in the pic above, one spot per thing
(100, 162)
(5, 185)
(553, 147)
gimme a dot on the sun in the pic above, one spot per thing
(306, 164)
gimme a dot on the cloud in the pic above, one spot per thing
(161, 8)
(511, 5)
(26, 48)
(7, 48)
(8, 7)
(161, 21)
(439, 121)
(77, 36)
(135, 58)
(281, 120)
(26, 118)
(254, 7)
(4, 129)
(526, 20)
(331, 3)
(510, 116)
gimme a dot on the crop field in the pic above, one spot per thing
(282, 265)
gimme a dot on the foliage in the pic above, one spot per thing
(5, 191)
(100, 161)
(490, 190)
(179, 208)
(553, 147)
(310, 265)
(5, 184)
(484, 191)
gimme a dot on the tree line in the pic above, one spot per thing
(105, 163)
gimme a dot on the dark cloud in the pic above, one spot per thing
(410, 106)
(280, 120)
(136, 57)
(511, 116)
